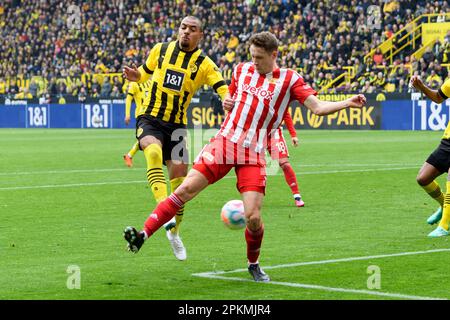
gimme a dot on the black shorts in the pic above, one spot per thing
(440, 158)
(172, 136)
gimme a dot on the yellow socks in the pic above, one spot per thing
(155, 174)
(435, 192)
(174, 184)
(134, 149)
(446, 212)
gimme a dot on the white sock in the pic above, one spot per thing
(297, 196)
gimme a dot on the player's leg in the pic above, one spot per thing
(128, 157)
(291, 180)
(166, 209)
(278, 151)
(251, 185)
(152, 148)
(196, 180)
(254, 233)
(177, 173)
(176, 156)
(426, 178)
(151, 139)
(443, 228)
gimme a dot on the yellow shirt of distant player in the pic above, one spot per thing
(139, 92)
(444, 91)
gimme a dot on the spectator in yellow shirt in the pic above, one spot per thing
(23, 94)
(434, 80)
(2, 86)
(233, 42)
(230, 55)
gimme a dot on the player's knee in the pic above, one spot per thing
(254, 221)
(422, 180)
(154, 152)
(283, 163)
(186, 191)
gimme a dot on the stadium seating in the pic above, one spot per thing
(45, 49)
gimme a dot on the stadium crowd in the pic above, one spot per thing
(44, 41)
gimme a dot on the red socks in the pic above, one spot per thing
(254, 239)
(290, 177)
(163, 212)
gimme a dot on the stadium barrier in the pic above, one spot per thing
(396, 112)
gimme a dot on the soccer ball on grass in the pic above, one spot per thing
(233, 215)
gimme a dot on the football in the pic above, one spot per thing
(233, 215)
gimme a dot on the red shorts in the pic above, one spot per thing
(214, 166)
(277, 146)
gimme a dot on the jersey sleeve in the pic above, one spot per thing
(150, 64)
(300, 91)
(213, 77)
(130, 95)
(444, 90)
(289, 124)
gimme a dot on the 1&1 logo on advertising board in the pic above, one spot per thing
(429, 115)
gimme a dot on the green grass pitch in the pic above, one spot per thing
(66, 196)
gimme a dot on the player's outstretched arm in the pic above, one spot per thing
(131, 74)
(323, 108)
(434, 95)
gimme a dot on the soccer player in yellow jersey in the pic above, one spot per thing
(137, 92)
(177, 69)
(437, 163)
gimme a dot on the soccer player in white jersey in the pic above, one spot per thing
(260, 93)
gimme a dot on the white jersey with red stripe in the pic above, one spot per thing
(261, 101)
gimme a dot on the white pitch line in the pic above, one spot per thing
(317, 287)
(299, 264)
(216, 275)
(20, 173)
(72, 185)
(61, 172)
(227, 177)
(350, 171)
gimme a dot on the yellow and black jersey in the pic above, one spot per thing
(176, 76)
(444, 92)
(139, 92)
(380, 82)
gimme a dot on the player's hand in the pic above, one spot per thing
(228, 104)
(357, 101)
(295, 141)
(127, 120)
(131, 74)
(416, 82)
